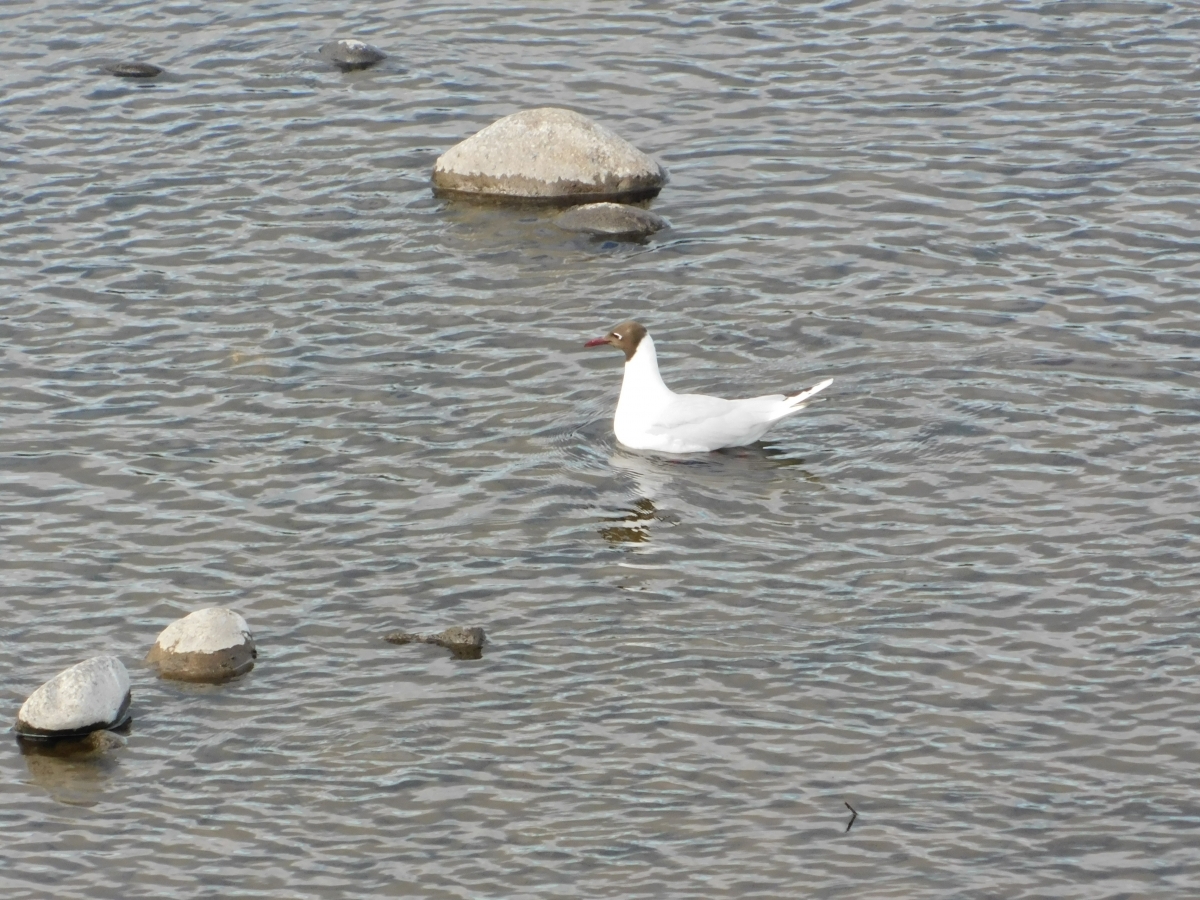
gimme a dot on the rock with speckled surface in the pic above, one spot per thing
(614, 220)
(349, 54)
(133, 70)
(89, 696)
(464, 643)
(209, 645)
(548, 154)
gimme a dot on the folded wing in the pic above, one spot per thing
(696, 422)
(693, 422)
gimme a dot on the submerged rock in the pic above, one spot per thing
(349, 54)
(209, 645)
(90, 696)
(548, 154)
(617, 220)
(101, 742)
(464, 643)
(133, 70)
(86, 747)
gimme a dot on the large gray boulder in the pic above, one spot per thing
(87, 697)
(548, 154)
(209, 645)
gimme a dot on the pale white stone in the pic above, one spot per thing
(204, 631)
(90, 693)
(547, 152)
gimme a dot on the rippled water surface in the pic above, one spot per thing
(250, 360)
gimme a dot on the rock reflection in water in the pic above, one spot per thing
(76, 772)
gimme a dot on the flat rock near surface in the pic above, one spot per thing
(349, 54)
(133, 70)
(548, 154)
(464, 643)
(89, 696)
(209, 645)
(618, 220)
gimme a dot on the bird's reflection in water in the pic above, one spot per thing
(766, 458)
(663, 481)
(634, 527)
(656, 473)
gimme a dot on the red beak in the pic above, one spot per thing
(596, 342)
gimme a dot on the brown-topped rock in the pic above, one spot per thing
(548, 154)
(464, 643)
(210, 645)
(89, 696)
(615, 220)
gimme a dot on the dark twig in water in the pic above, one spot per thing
(852, 817)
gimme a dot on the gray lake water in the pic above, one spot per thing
(250, 360)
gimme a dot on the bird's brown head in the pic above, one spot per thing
(625, 337)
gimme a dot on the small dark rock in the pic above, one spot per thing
(614, 220)
(461, 637)
(349, 54)
(133, 70)
(464, 643)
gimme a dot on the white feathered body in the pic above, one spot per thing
(650, 416)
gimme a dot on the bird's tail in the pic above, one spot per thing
(795, 403)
